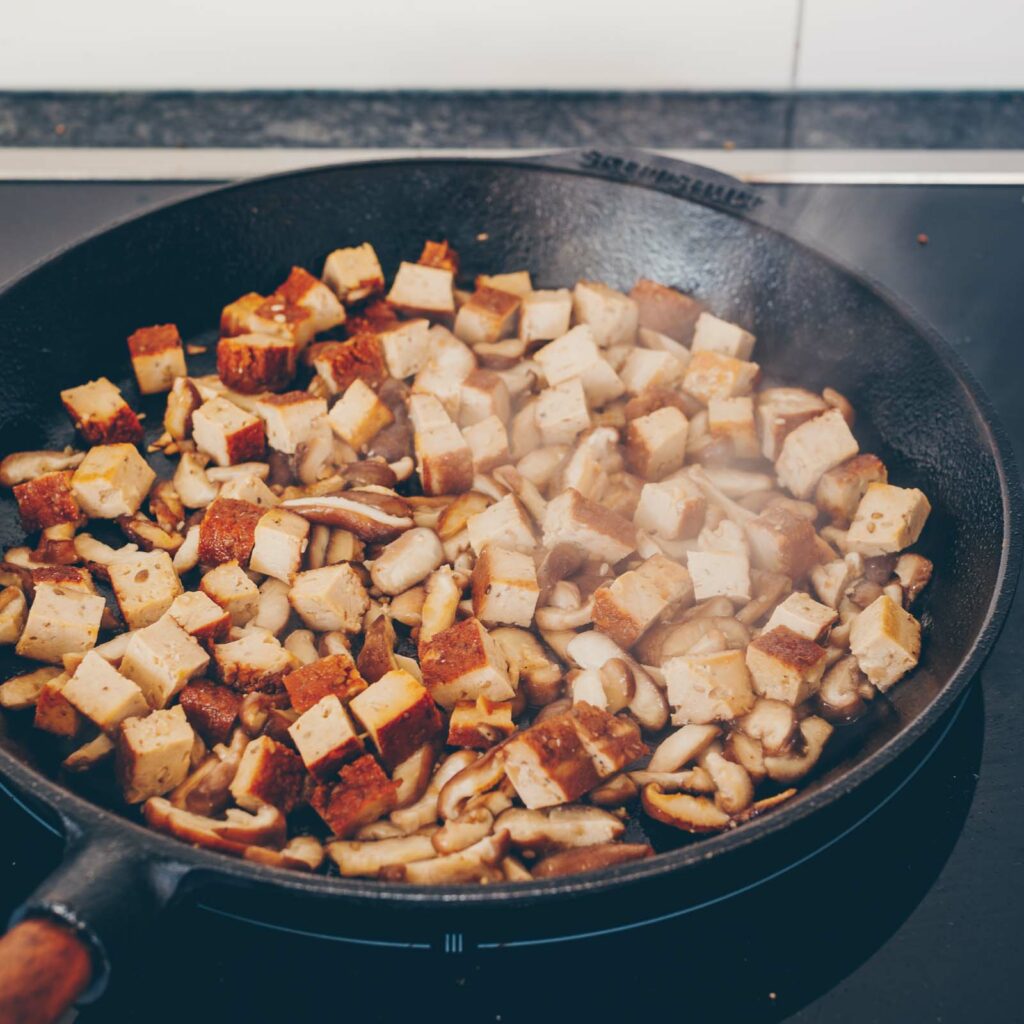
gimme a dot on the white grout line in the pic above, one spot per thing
(798, 166)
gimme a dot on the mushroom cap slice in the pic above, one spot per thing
(683, 811)
(590, 858)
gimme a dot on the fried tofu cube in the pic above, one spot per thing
(561, 412)
(888, 519)
(334, 675)
(211, 709)
(226, 433)
(600, 532)
(101, 414)
(325, 737)
(228, 531)
(710, 334)
(13, 614)
(145, 585)
(656, 342)
(46, 501)
(353, 274)
(278, 544)
(53, 713)
(504, 587)
(545, 315)
(463, 662)
(720, 574)
(71, 577)
(488, 441)
(803, 615)
(886, 641)
(291, 419)
(628, 606)
(612, 743)
(648, 368)
(256, 662)
(704, 688)
(840, 490)
(362, 794)
(671, 508)
(515, 282)
(153, 754)
(666, 310)
(785, 665)
(157, 357)
(200, 616)
(268, 773)
(479, 724)
(359, 415)
(612, 316)
(406, 347)
(831, 579)
(547, 764)
(489, 315)
(505, 523)
(330, 598)
(271, 315)
(250, 489)
(732, 419)
(60, 621)
(656, 443)
(711, 375)
(444, 459)
(484, 394)
(251, 363)
(439, 254)
(399, 714)
(112, 480)
(229, 587)
(576, 355)
(338, 363)
(782, 410)
(423, 291)
(102, 694)
(812, 449)
(161, 659)
(303, 290)
(781, 541)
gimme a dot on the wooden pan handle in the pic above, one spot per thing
(44, 968)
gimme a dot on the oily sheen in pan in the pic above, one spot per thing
(444, 585)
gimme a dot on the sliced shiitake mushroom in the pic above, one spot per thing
(371, 516)
(590, 858)
(684, 811)
(559, 828)
(790, 767)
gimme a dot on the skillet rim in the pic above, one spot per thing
(80, 818)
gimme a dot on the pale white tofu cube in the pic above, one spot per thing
(330, 598)
(359, 415)
(250, 489)
(785, 665)
(812, 449)
(804, 616)
(710, 375)
(659, 342)
(656, 443)
(406, 347)
(704, 688)
(561, 412)
(504, 587)
(444, 459)
(613, 317)
(62, 620)
(505, 523)
(325, 737)
(545, 315)
(576, 355)
(256, 661)
(290, 419)
(487, 316)
(231, 588)
(227, 433)
(732, 419)
(280, 539)
(145, 585)
(464, 662)
(427, 291)
(101, 693)
(484, 394)
(671, 508)
(112, 480)
(353, 273)
(886, 641)
(488, 441)
(200, 616)
(625, 608)
(600, 532)
(161, 659)
(517, 282)
(720, 574)
(398, 713)
(714, 335)
(831, 580)
(647, 368)
(780, 410)
(888, 519)
(153, 754)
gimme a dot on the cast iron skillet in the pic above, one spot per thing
(613, 217)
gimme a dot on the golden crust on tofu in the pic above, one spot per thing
(611, 743)
(480, 724)
(399, 714)
(548, 764)
(840, 490)
(812, 449)
(47, 501)
(101, 414)
(336, 674)
(504, 587)
(112, 480)
(157, 357)
(256, 662)
(488, 315)
(251, 363)
(666, 310)
(625, 608)
(228, 434)
(464, 662)
(784, 665)
(339, 363)
(228, 531)
(290, 419)
(353, 274)
(359, 415)
(600, 532)
(362, 794)
(268, 773)
(325, 737)
(54, 713)
(781, 541)
(330, 598)
(712, 375)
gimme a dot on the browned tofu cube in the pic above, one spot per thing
(600, 532)
(251, 363)
(54, 713)
(362, 794)
(444, 459)
(732, 420)
(781, 541)
(47, 501)
(506, 523)
(479, 724)
(101, 414)
(666, 310)
(330, 598)
(339, 363)
(712, 375)
(153, 754)
(785, 665)
(201, 617)
(840, 489)
(354, 273)
(256, 662)
(226, 433)
(211, 709)
(101, 693)
(62, 620)
(812, 449)
(782, 410)
(714, 335)
(325, 737)
(157, 357)
(656, 443)
(611, 742)
(303, 290)
(803, 615)
(273, 315)
(112, 481)
(161, 659)
(548, 764)
(625, 608)
(336, 674)
(228, 586)
(268, 773)
(399, 714)
(888, 519)
(439, 254)
(464, 662)
(488, 316)
(420, 290)
(228, 531)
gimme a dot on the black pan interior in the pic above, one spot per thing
(816, 325)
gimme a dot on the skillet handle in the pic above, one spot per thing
(662, 174)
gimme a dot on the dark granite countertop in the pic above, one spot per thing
(972, 120)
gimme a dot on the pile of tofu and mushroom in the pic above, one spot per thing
(468, 578)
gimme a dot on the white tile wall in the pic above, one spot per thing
(912, 44)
